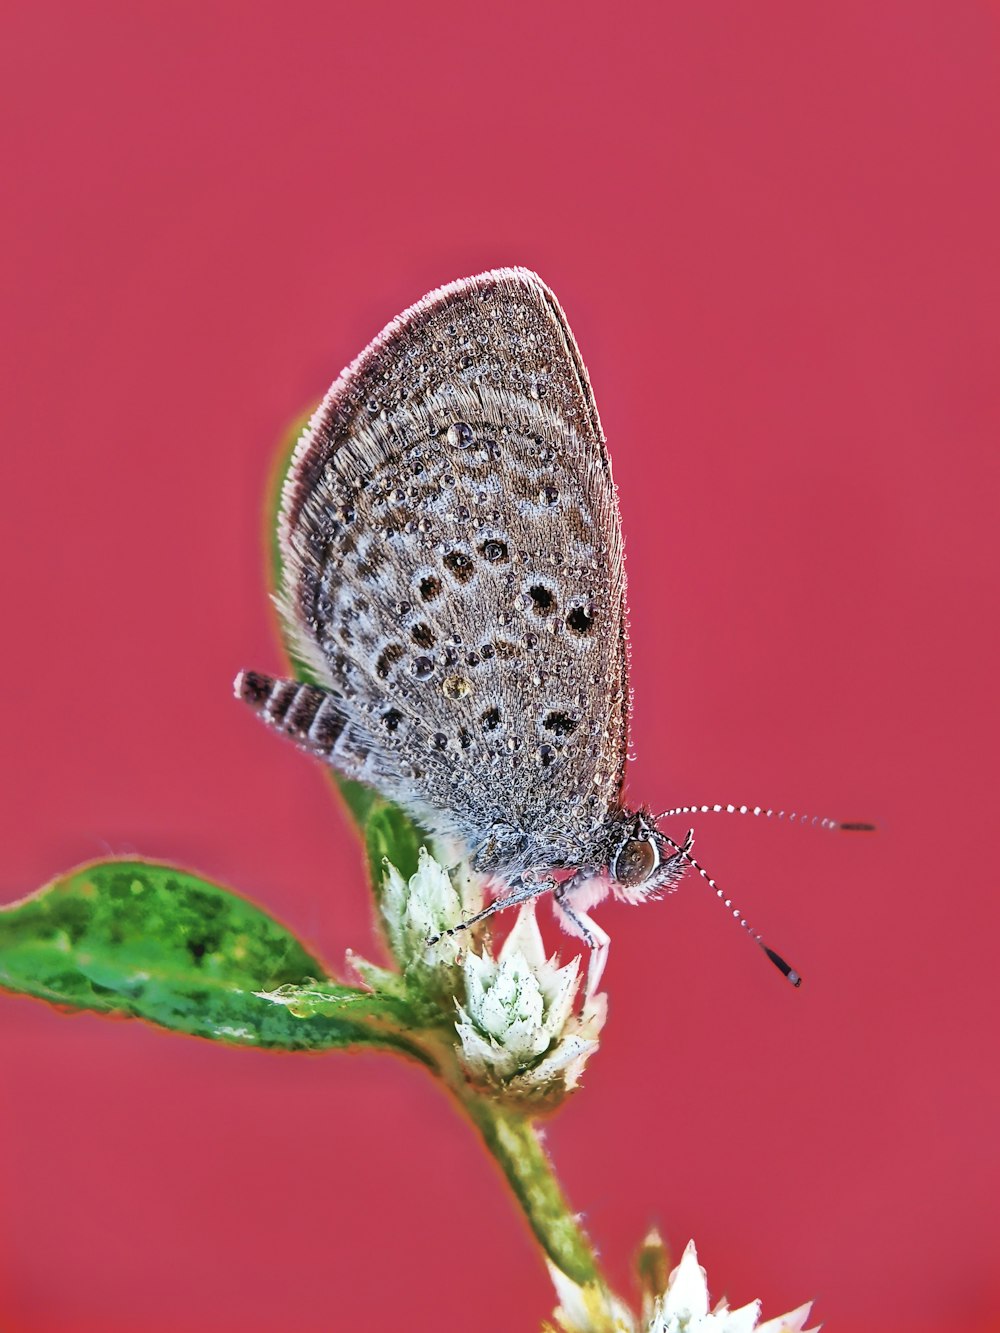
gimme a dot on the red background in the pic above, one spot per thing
(774, 229)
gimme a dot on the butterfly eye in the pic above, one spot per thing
(635, 862)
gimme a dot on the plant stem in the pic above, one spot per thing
(513, 1141)
(515, 1144)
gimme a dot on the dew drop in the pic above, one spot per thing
(460, 435)
(548, 495)
(495, 552)
(422, 667)
(455, 687)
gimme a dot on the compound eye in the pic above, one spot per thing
(635, 862)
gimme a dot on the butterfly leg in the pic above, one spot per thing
(519, 891)
(576, 922)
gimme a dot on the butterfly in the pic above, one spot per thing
(453, 579)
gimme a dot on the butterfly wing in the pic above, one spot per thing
(453, 571)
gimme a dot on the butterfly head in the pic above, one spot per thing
(642, 861)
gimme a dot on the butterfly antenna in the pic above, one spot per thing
(813, 821)
(784, 968)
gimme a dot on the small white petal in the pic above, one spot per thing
(572, 1311)
(480, 1052)
(560, 993)
(480, 971)
(588, 1309)
(566, 1063)
(743, 1320)
(393, 900)
(687, 1287)
(525, 939)
(793, 1322)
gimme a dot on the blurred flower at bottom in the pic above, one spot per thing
(681, 1307)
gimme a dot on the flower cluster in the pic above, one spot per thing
(682, 1307)
(520, 1032)
(429, 904)
(426, 905)
(518, 1028)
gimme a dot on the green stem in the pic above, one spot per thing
(514, 1143)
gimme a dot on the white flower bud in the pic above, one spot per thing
(425, 905)
(517, 1028)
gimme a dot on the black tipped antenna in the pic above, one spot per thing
(813, 821)
(784, 968)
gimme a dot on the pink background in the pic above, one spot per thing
(774, 229)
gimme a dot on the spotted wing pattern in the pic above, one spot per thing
(453, 574)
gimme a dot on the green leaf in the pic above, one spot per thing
(390, 833)
(154, 942)
(361, 801)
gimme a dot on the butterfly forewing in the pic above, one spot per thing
(453, 573)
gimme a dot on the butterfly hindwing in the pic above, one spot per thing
(453, 567)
